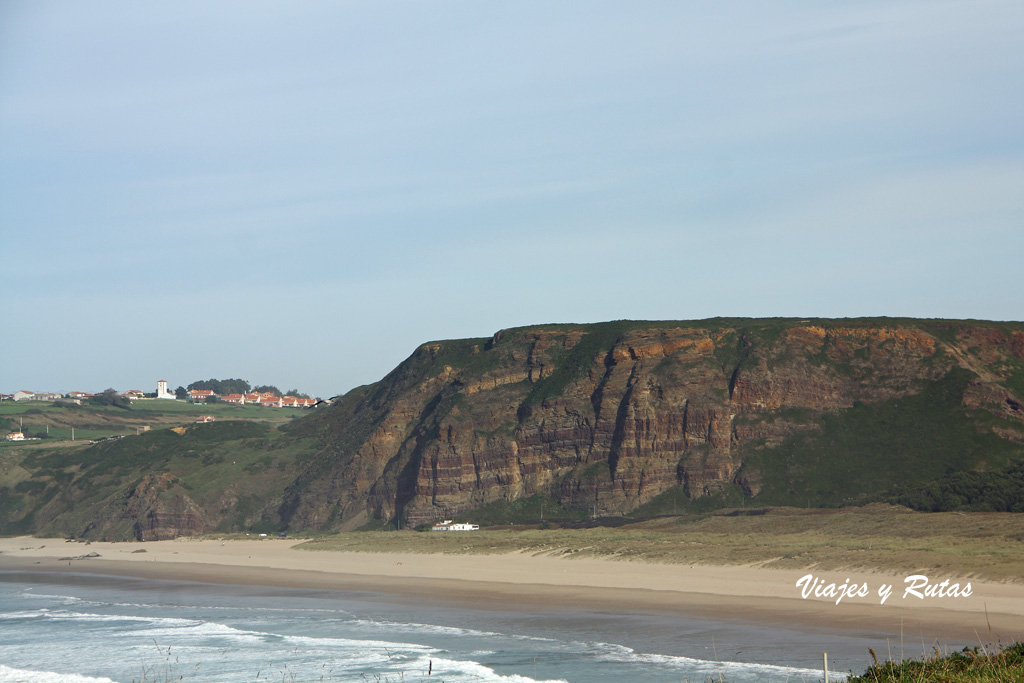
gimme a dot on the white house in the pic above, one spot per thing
(35, 396)
(449, 525)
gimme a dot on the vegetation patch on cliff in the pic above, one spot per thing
(872, 446)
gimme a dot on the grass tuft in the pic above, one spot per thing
(971, 665)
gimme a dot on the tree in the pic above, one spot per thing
(268, 389)
(107, 397)
(297, 394)
(221, 387)
(181, 393)
(110, 397)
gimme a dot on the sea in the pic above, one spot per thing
(83, 628)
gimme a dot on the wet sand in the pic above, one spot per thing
(994, 611)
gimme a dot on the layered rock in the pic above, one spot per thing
(162, 511)
(606, 417)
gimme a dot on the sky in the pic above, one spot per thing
(300, 194)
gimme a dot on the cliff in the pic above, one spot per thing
(615, 417)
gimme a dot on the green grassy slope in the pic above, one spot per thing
(235, 470)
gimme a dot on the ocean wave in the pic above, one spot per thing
(211, 629)
(460, 670)
(376, 645)
(620, 653)
(69, 615)
(183, 628)
(66, 599)
(23, 614)
(436, 629)
(339, 613)
(413, 627)
(12, 675)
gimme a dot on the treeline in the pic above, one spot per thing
(1001, 491)
(223, 387)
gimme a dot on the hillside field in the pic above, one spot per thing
(53, 421)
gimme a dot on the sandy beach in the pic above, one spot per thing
(993, 611)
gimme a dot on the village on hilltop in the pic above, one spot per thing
(267, 399)
(200, 396)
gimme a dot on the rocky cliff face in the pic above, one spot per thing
(607, 417)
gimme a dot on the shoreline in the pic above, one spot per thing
(747, 594)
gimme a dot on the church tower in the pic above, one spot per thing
(161, 390)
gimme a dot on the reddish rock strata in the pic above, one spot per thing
(607, 427)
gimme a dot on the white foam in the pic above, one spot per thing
(472, 671)
(374, 649)
(67, 599)
(621, 653)
(68, 615)
(24, 614)
(376, 645)
(194, 628)
(413, 627)
(12, 675)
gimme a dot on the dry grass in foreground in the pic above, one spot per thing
(980, 545)
(969, 666)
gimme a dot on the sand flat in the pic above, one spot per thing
(994, 611)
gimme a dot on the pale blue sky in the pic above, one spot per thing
(301, 193)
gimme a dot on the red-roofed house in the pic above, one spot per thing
(270, 400)
(134, 394)
(252, 398)
(237, 399)
(201, 394)
(296, 402)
